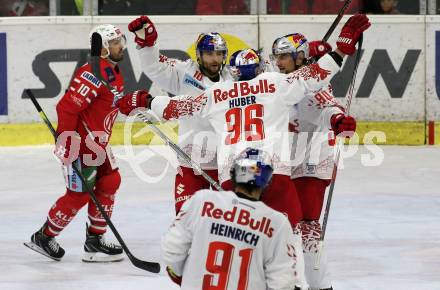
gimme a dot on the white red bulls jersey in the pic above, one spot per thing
(184, 78)
(222, 241)
(251, 113)
(313, 140)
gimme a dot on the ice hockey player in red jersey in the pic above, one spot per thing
(230, 239)
(86, 114)
(186, 78)
(316, 120)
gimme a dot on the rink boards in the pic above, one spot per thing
(397, 78)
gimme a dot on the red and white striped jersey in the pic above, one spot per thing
(88, 106)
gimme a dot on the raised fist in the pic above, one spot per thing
(342, 123)
(319, 48)
(131, 101)
(351, 32)
(144, 30)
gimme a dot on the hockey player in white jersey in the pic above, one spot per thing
(231, 240)
(256, 113)
(186, 78)
(314, 122)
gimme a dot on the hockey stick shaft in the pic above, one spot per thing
(179, 151)
(338, 154)
(148, 266)
(335, 167)
(95, 59)
(336, 21)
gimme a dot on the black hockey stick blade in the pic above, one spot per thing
(95, 54)
(96, 44)
(147, 266)
(152, 267)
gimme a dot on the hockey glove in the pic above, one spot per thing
(341, 123)
(131, 101)
(351, 32)
(173, 276)
(67, 148)
(144, 30)
(319, 48)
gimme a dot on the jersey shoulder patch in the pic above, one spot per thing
(89, 77)
(191, 81)
(110, 74)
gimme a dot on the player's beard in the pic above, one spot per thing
(212, 69)
(116, 57)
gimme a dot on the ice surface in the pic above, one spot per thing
(383, 233)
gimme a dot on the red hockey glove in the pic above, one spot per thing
(67, 147)
(351, 32)
(131, 101)
(319, 48)
(144, 30)
(341, 123)
(173, 276)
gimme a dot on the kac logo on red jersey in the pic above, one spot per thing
(110, 120)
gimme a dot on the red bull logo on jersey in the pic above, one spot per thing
(243, 89)
(242, 217)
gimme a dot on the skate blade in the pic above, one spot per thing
(37, 249)
(98, 257)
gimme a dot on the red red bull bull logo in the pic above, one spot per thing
(243, 89)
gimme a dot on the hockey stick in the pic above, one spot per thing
(333, 26)
(95, 55)
(179, 151)
(336, 21)
(338, 153)
(147, 266)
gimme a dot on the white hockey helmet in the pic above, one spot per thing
(108, 33)
(291, 43)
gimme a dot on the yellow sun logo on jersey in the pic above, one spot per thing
(233, 43)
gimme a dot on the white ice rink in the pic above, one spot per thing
(384, 228)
